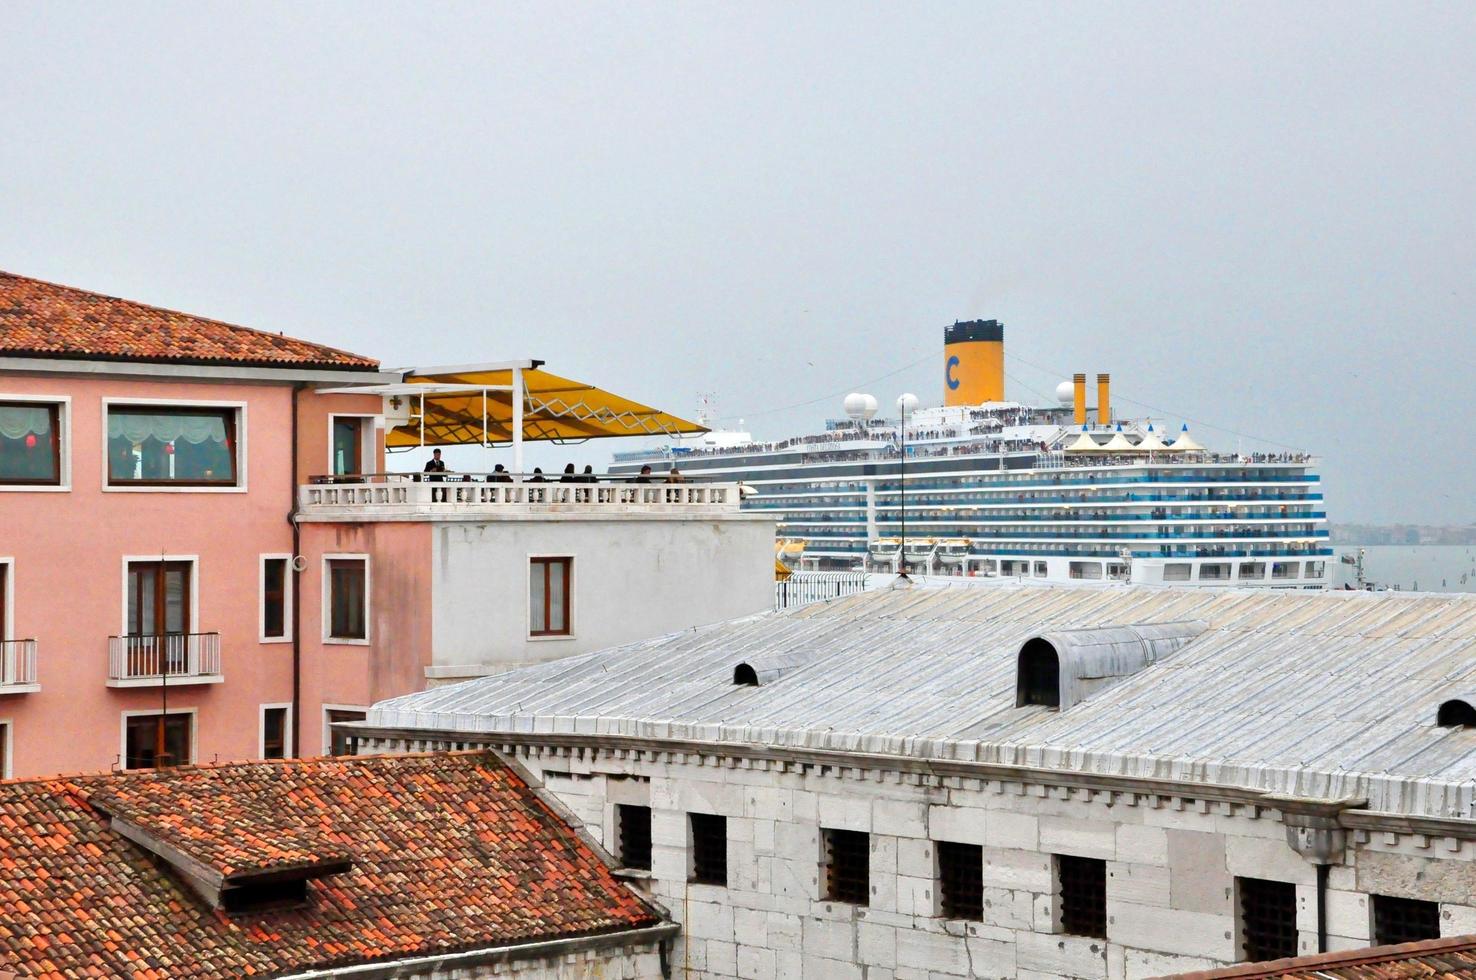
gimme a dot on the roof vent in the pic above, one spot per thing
(1456, 713)
(1063, 668)
(769, 667)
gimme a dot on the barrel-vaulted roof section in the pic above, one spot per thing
(42, 319)
(554, 408)
(1332, 694)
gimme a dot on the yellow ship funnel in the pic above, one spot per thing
(1079, 395)
(1104, 403)
(973, 371)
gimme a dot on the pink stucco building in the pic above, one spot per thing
(201, 558)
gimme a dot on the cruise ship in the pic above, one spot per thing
(981, 486)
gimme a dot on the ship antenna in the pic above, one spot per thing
(905, 404)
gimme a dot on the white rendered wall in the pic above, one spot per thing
(632, 579)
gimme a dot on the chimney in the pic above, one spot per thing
(1104, 403)
(1079, 383)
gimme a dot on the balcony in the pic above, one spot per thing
(18, 667)
(407, 497)
(165, 658)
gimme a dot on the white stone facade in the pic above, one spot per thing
(636, 961)
(1172, 861)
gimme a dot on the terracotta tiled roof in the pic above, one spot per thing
(1434, 959)
(450, 853)
(41, 319)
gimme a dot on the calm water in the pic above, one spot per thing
(1429, 567)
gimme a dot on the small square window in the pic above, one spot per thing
(633, 830)
(709, 849)
(1083, 892)
(1404, 920)
(960, 880)
(848, 866)
(30, 443)
(348, 599)
(1268, 918)
(147, 734)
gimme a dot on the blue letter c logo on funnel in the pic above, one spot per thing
(948, 372)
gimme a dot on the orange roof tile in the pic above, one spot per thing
(450, 853)
(41, 319)
(1447, 958)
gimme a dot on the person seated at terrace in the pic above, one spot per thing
(537, 476)
(568, 476)
(645, 475)
(675, 476)
(500, 475)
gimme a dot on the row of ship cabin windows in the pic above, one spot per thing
(1266, 909)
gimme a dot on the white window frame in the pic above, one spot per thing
(327, 590)
(261, 729)
(7, 598)
(570, 606)
(288, 585)
(194, 561)
(194, 714)
(7, 761)
(63, 405)
(242, 456)
(368, 438)
(327, 735)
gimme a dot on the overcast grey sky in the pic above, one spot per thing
(1257, 215)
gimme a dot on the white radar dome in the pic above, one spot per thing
(1066, 393)
(859, 406)
(907, 404)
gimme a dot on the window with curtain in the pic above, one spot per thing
(167, 446)
(30, 443)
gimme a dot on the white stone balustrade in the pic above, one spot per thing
(404, 499)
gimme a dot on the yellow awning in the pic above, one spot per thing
(554, 408)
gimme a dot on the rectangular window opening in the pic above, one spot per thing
(1083, 890)
(1268, 919)
(30, 443)
(709, 849)
(961, 880)
(847, 866)
(633, 830)
(1404, 920)
(347, 599)
(274, 598)
(342, 743)
(274, 733)
(156, 445)
(156, 741)
(548, 596)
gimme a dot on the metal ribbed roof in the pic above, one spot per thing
(1326, 694)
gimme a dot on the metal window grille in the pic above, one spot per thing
(961, 880)
(1268, 918)
(848, 866)
(1083, 884)
(635, 835)
(709, 849)
(1404, 920)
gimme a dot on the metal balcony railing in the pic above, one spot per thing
(17, 663)
(164, 657)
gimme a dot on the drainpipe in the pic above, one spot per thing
(296, 726)
(1322, 907)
